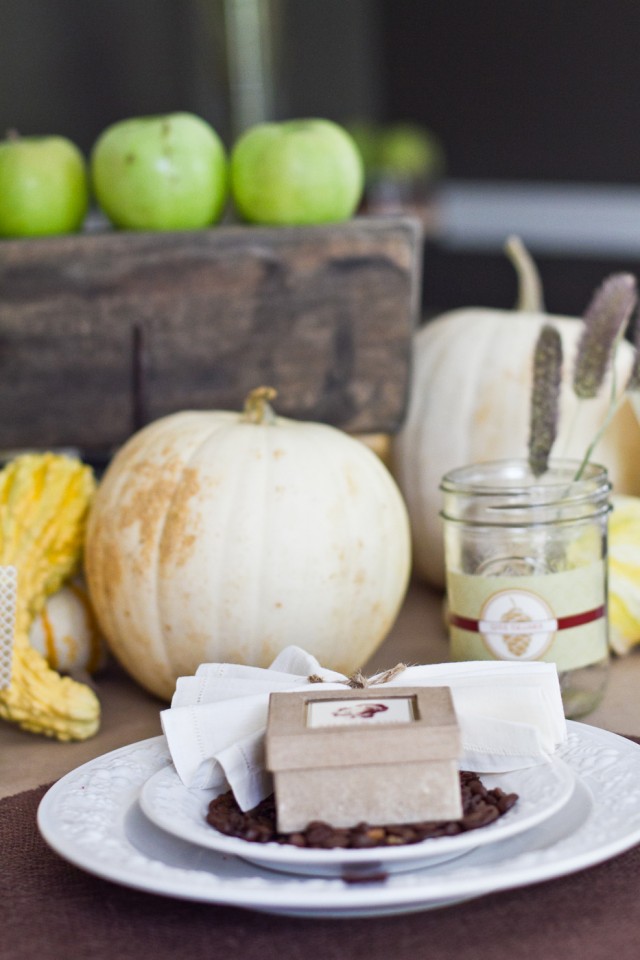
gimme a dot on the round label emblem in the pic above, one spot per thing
(517, 625)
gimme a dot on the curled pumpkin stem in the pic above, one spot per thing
(257, 406)
(530, 299)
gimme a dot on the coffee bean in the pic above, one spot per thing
(480, 808)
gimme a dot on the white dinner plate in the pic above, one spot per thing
(542, 790)
(92, 818)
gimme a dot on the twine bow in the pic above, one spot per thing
(358, 681)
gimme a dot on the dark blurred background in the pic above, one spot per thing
(536, 105)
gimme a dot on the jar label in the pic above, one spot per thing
(558, 617)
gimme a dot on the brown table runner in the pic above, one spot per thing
(50, 909)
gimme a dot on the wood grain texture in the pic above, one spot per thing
(101, 333)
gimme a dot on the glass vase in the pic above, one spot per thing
(526, 570)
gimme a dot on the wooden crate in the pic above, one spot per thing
(101, 333)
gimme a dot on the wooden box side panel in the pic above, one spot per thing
(102, 333)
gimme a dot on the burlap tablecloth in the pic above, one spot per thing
(50, 910)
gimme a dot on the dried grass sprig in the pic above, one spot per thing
(545, 398)
(605, 321)
(634, 380)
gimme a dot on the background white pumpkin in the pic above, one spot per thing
(65, 632)
(470, 402)
(215, 538)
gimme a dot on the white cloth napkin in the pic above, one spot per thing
(510, 716)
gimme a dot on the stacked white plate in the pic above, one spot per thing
(127, 817)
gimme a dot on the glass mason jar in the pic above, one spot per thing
(526, 570)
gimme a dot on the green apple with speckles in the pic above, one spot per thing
(165, 172)
(296, 172)
(43, 186)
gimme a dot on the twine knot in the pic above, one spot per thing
(358, 681)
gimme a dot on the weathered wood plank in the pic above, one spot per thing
(101, 333)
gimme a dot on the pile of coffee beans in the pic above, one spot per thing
(480, 807)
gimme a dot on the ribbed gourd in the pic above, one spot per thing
(44, 502)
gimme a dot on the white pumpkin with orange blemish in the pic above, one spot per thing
(65, 632)
(219, 536)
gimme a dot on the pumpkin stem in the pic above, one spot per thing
(530, 299)
(257, 406)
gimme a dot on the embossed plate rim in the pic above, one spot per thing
(172, 807)
(82, 817)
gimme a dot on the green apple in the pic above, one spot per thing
(409, 150)
(296, 172)
(365, 134)
(160, 173)
(43, 186)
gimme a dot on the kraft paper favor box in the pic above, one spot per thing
(376, 756)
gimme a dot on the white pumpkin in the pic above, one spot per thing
(470, 402)
(65, 632)
(218, 536)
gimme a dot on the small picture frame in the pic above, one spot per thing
(358, 710)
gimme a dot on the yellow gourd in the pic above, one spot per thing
(44, 500)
